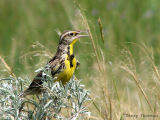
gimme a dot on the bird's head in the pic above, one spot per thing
(71, 37)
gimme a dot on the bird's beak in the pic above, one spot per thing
(79, 35)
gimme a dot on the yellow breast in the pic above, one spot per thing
(68, 72)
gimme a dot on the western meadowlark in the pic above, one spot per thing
(62, 65)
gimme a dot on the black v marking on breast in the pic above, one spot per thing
(71, 59)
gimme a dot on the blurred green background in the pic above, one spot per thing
(26, 23)
(130, 80)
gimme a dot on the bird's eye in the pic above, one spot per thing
(71, 34)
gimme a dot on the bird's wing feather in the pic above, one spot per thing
(55, 67)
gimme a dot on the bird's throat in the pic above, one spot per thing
(71, 46)
(71, 49)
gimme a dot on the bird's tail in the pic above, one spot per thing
(24, 93)
(32, 91)
(29, 91)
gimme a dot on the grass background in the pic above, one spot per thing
(128, 58)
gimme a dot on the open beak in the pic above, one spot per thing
(79, 35)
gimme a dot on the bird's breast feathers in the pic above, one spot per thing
(70, 66)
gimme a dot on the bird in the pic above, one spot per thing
(62, 65)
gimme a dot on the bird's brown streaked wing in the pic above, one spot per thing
(38, 80)
(37, 84)
(56, 66)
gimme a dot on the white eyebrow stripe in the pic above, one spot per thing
(66, 34)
